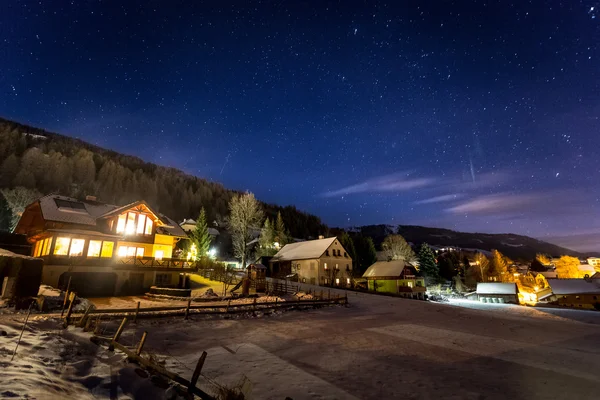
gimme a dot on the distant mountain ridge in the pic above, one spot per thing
(516, 247)
(54, 163)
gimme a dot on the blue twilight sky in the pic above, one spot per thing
(471, 115)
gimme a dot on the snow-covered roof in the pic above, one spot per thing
(304, 250)
(574, 286)
(188, 221)
(87, 212)
(496, 288)
(386, 269)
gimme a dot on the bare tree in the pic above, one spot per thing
(17, 199)
(398, 249)
(245, 214)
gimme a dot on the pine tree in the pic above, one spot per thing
(200, 236)
(267, 239)
(281, 235)
(428, 266)
(365, 252)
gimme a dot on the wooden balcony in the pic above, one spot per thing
(120, 262)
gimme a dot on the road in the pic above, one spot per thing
(391, 348)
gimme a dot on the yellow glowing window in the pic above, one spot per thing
(131, 251)
(139, 252)
(107, 249)
(62, 246)
(140, 224)
(130, 227)
(122, 251)
(121, 223)
(159, 254)
(47, 245)
(36, 249)
(148, 226)
(77, 247)
(94, 248)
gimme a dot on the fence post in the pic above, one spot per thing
(228, 303)
(111, 347)
(141, 344)
(197, 371)
(70, 310)
(329, 294)
(187, 310)
(85, 316)
(137, 310)
(65, 299)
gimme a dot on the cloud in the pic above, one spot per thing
(440, 199)
(387, 183)
(496, 204)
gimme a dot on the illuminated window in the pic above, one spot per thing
(158, 254)
(121, 224)
(61, 248)
(36, 250)
(94, 248)
(47, 245)
(148, 226)
(348, 281)
(337, 281)
(77, 247)
(139, 252)
(325, 265)
(131, 251)
(337, 267)
(122, 251)
(140, 224)
(130, 227)
(107, 249)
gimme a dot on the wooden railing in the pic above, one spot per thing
(142, 262)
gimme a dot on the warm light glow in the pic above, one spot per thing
(121, 223)
(139, 252)
(536, 288)
(337, 281)
(131, 251)
(159, 254)
(94, 248)
(77, 247)
(212, 253)
(148, 226)
(348, 281)
(130, 227)
(62, 246)
(325, 265)
(276, 245)
(140, 224)
(122, 251)
(107, 249)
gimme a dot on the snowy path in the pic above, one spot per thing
(378, 348)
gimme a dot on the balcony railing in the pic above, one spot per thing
(141, 262)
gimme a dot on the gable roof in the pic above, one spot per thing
(574, 286)
(86, 212)
(496, 288)
(304, 250)
(387, 269)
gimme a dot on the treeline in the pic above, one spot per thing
(53, 163)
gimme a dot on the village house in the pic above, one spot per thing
(580, 293)
(104, 249)
(322, 262)
(395, 276)
(496, 292)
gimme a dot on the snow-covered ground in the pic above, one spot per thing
(378, 348)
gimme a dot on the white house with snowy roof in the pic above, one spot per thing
(322, 262)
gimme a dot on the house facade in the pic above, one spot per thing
(104, 249)
(322, 262)
(579, 293)
(395, 276)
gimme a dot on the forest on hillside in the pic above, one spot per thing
(53, 163)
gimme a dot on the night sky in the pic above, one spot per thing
(470, 115)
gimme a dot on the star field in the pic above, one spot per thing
(477, 116)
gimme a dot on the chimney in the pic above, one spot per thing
(90, 198)
(321, 237)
